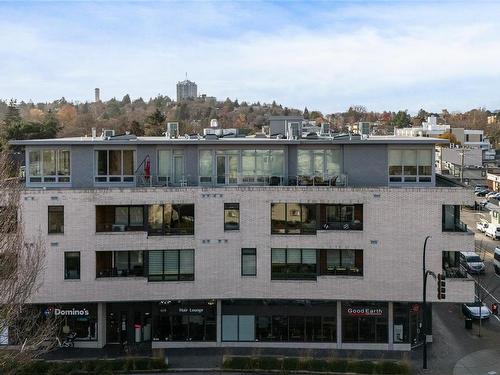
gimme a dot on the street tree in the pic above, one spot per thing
(22, 259)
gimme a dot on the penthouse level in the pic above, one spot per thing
(130, 161)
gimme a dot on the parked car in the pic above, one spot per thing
(476, 310)
(480, 188)
(482, 226)
(471, 263)
(491, 194)
(481, 193)
(493, 231)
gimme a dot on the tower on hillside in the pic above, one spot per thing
(97, 95)
(186, 90)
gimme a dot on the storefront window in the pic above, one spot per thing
(284, 320)
(364, 322)
(78, 318)
(184, 321)
(407, 322)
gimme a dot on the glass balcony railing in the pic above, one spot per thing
(241, 180)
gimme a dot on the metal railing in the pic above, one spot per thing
(241, 180)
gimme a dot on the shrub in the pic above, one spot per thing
(338, 365)
(269, 363)
(142, 364)
(361, 367)
(291, 364)
(392, 368)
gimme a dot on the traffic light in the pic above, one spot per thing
(441, 284)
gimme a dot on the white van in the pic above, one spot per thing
(496, 260)
(471, 263)
(493, 231)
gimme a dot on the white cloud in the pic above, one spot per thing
(383, 55)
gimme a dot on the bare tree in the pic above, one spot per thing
(22, 260)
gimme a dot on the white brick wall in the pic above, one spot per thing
(398, 219)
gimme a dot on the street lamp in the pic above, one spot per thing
(424, 303)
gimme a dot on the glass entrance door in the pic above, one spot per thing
(227, 169)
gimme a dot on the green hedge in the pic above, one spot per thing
(101, 367)
(320, 365)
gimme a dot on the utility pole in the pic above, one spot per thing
(462, 159)
(424, 303)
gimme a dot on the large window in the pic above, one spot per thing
(119, 218)
(49, 165)
(115, 165)
(171, 219)
(171, 166)
(279, 320)
(184, 321)
(248, 262)
(231, 216)
(410, 165)
(171, 265)
(320, 165)
(119, 263)
(56, 219)
(451, 219)
(364, 322)
(72, 265)
(451, 265)
(293, 264)
(300, 218)
(341, 262)
(230, 167)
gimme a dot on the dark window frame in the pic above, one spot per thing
(53, 207)
(289, 274)
(231, 207)
(343, 269)
(243, 255)
(109, 227)
(180, 276)
(66, 271)
(168, 229)
(319, 219)
(113, 271)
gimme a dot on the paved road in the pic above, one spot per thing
(489, 284)
(455, 350)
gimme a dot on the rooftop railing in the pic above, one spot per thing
(242, 180)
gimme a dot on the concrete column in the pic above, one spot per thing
(339, 324)
(390, 325)
(219, 322)
(101, 324)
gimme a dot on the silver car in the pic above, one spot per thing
(476, 310)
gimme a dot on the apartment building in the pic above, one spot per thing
(252, 241)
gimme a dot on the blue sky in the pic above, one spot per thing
(323, 55)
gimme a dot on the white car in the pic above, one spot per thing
(493, 231)
(482, 226)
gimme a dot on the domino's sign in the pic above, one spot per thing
(55, 311)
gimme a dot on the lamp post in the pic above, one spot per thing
(424, 323)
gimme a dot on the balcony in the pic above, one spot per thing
(226, 180)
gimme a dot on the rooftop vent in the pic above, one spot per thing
(172, 130)
(107, 133)
(294, 130)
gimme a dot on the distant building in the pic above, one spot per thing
(186, 90)
(469, 138)
(97, 95)
(492, 119)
